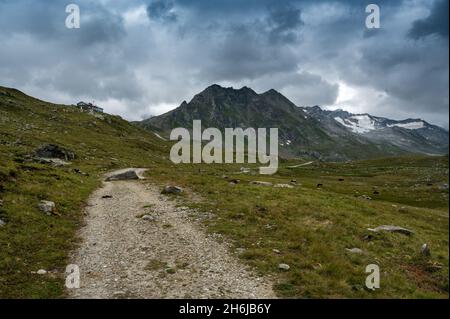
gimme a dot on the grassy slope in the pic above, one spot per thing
(31, 240)
(312, 227)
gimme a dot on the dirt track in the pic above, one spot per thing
(168, 256)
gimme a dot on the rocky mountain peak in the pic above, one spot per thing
(305, 131)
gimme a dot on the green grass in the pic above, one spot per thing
(155, 264)
(312, 227)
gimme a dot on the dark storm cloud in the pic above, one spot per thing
(285, 22)
(304, 88)
(436, 23)
(416, 76)
(244, 53)
(251, 45)
(145, 56)
(207, 7)
(161, 10)
(46, 21)
(100, 25)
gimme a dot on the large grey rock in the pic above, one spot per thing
(2, 223)
(47, 207)
(284, 267)
(354, 250)
(245, 170)
(148, 218)
(426, 250)
(52, 161)
(392, 229)
(261, 183)
(283, 186)
(128, 175)
(78, 171)
(172, 190)
(54, 151)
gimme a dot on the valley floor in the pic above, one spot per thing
(137, 243)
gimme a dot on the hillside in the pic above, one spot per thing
(303, 132)
(29, 240)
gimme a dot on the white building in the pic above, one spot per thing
(89, 107)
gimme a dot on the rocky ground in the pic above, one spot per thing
(138, 244)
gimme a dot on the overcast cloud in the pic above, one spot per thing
(138, 58)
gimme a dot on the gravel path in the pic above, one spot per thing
(123, 255)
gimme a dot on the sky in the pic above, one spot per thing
(140, 58)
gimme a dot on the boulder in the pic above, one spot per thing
(148, 218)
(391, 229)
(426, 250)
(261, 209)
(403, 209)
(41, 272)
(54, 151)
(2, 223)
(284, 267)
(354, 250)
(128, 175)
(120, 294)
(283, 186)
(245, 170)
(261, 183)
(317, 266)
(47, 207)
(78, 171)
(172, 190)
(52, 161)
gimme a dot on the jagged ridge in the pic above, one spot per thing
(304, 132)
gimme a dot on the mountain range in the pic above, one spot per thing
(309, 132)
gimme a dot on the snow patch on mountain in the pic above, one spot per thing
(159, 136)
(409, 126)
(358, 123)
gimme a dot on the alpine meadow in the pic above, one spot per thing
(223, 155)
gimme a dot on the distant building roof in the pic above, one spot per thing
(89, 106)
